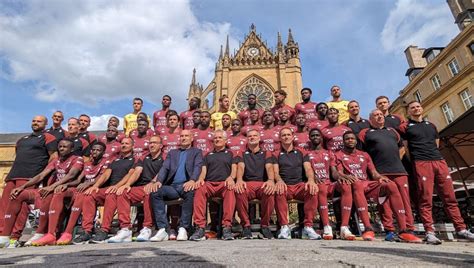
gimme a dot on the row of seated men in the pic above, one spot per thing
(296, 164)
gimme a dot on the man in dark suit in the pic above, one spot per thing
(177, 179)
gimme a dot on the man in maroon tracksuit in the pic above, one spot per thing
(307, 107)
(430, 170)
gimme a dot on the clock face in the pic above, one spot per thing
(253, 51)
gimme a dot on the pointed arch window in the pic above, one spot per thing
(253, 86)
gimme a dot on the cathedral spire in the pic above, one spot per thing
(227, 47)
(290, 37)
(220, 55)
(193, 80)
(279, 44)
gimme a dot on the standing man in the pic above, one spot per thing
(56, 130)
(187, 117)
(33, 152)
(217, 179)
(236, 142)
(80, 144)
(159, 117)
(244, 115)
(84, 124)
(177, 179)
(112, 150)
(321, 121)
(226, 120)
(216, 118)
(113, 122)
(338, 103)
(301, 134)
(254, 122)
(203, 135)
(430, 170)
(170, 138)
(284, 120)
(280, 96)
(255, 180)
(356, 122)
(269, 136)
(130, 120)
(391, 120)
(307, 107)
(334, 131)
(141, 141)
(289, 168)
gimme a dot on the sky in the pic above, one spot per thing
(94, 56)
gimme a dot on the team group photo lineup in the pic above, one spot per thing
(316, 171)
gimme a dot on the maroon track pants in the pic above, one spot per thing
(254, 191)
(213, 189)
(297, 192)
(124, 201)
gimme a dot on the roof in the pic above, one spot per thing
(428, 50)
(413, 69)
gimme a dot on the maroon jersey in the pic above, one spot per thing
(89, 137)
(170, 141)
(93, 172)
(276, 112)
(319, 124)
(270, 139)
(134, 133)
(321, 162)
(159, 118)
(333, 137)
(112, 150)
(62, 167)
(356, 163)
(187, 119)
(301, 140)
(203, 140)
(237, 144)
(140, 147)
(290, 126)
(308, 109)
(119, 138)
(247, 128)
(244, 116)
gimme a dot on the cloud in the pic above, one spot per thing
(421, 23)
(92, 51)
(99, 122)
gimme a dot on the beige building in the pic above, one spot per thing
(442, 78)
(253, 68)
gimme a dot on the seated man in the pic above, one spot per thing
(136, 190)
(255, 179)
(103, 193)
(176, 180)
(217, 179)
(356, 167)
(288, 169)
(65, 168)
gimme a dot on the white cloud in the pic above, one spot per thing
(88, 51)
(421, 23)
(99, 122)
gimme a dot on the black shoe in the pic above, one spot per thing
(199, 235)
(82, 239)
(100, 237)
(227, 234)
(247, 233)
(267, 234)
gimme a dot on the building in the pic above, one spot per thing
(442, 78)
(253, 68)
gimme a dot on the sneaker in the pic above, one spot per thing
(227, 234)
(285, 232)
(409, 237)
(47, 240)
(310, 233)
(173, 234)
(431, 239)
(182, 234)
(144, 235)
(100, 237)
(327, 232)
(161, 235)
(123, 235)
(199, 235)
(84, 238)
(346, 233)
(65, 239)
(4, 241)
(14, 243)
(267, 233)
(465, 234)
(392, 237)
(247, 233)
(368, 235)
(33, 238)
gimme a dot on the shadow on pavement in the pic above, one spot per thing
(436, 257)
(141, 257)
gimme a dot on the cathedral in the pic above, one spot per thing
(252, 68)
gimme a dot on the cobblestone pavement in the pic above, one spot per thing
(245, 253)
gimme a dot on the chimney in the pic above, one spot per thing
(414, 57)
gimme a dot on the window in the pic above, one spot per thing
(436, 82)
(453, 67)
(430, 57)
(448, 113)
(417, 96)
(471, 47)
(466, 98)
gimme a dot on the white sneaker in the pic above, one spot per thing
(310, 233)
(4, 241)
(32, 239)
(144, 235)
(327, 232)
(14, 243)
(285, 232)
(346, 233)
(466, 235)
(182, 234)
(123, 235)
(431, 239)
(161, 235)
